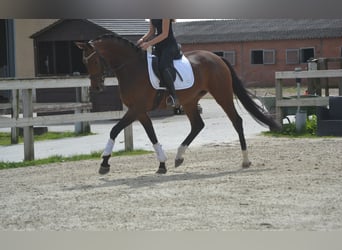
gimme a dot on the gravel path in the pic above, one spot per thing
(291, 185)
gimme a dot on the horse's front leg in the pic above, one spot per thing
(126, 120)
(147, 124)
(197, 124)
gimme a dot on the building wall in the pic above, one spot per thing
(263, 74)
(251, 74)
(24, 50)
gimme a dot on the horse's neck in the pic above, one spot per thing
(123, 55)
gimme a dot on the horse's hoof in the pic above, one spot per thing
(104, 169)
(246, 164)
(162, 168)
(161, 171)
(178, 162)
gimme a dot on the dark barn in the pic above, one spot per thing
(57, 55)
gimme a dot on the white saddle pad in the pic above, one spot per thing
(184, 68)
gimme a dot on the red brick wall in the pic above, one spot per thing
(263, 75)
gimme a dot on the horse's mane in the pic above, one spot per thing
(115, 36)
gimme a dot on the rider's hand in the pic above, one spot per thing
(144, 45)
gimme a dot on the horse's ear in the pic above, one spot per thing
(81, 45)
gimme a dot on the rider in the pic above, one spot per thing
(166, 49)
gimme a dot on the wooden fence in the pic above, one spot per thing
(303, 102)
(22, 109)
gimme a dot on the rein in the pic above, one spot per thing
(121, 66)
(104, 65)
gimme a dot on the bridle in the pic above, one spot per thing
(86, 58)
(106, 70)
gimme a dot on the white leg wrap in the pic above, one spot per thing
(245, 156)
(160, 152)
(180, 152)
(109, 148)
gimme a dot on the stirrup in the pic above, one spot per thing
(173, 102)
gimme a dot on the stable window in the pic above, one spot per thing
(3, 49)
(59, 58)
(219, 53)
(269, 56)
(292, 56)
(229, 55)
(302, 55)
(263, 57)
(306, 54)
(7, 65)
(257, 57)
(45, 58)
(62, 58)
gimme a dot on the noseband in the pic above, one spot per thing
(86, 58)
(105, 69)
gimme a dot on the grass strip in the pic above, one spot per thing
(58, 158)
(5, 138)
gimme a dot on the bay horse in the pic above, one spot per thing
(128, 63)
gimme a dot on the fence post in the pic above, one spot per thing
(28, 131)
(82, 96)
(279, 96)
(15, 115)
(128, 135)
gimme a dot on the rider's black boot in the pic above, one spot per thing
(172, 100)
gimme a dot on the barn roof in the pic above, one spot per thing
(237, 30)
(211, 31)
(123, 27)
(86, 28)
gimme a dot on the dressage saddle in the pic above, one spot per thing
(155, 67)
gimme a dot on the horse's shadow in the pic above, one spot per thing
(155, 179)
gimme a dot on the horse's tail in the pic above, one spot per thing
(257, 112)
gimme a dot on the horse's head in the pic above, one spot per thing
(92, 61)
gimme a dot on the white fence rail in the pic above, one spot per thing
(28, 107)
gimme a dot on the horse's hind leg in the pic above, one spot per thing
(197, 124)
(237, 123)
(126, 120)
(228, 106)
(147, 124)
